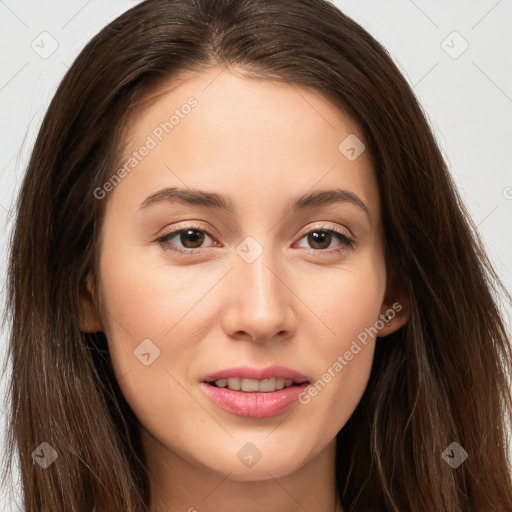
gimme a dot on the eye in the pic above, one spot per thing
(321, 239)
(191, 238)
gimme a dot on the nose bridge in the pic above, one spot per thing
(260, 300)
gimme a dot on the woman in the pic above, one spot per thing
(241, 278)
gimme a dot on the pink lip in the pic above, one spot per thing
(248, 372)
(255, 404)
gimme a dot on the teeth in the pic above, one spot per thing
(233, 384)
(266, 385)
(251, 385)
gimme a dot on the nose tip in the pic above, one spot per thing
(262, 336)
(259, 303)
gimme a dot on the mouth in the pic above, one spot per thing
(255, 386)
(255, 393)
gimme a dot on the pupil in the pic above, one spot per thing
(190, 237)
(319, 237)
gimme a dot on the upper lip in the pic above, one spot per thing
(249, 372)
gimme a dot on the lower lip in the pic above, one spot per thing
(254, 404)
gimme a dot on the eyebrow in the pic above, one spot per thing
(197, 197)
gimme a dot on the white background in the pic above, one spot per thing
(468, 99)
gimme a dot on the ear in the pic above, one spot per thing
(395, 313)
(90, 319)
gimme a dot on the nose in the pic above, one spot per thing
(259, 300)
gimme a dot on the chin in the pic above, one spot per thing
(243, 461)
(275, 467)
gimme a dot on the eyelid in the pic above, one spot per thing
(326, 226)
(200, 226)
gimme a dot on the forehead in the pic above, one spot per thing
(244, 138)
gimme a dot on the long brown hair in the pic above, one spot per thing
(442, 378)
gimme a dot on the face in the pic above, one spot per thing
(255, 277)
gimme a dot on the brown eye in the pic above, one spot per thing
(185, 240)
(321, 239)
(192, 238)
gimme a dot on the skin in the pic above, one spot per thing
(261, 144)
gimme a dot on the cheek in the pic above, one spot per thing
(149, 336)
(348, 308)
(346, 300)
(152, 316)
(148, 299)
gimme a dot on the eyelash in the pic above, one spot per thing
(346, 242)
